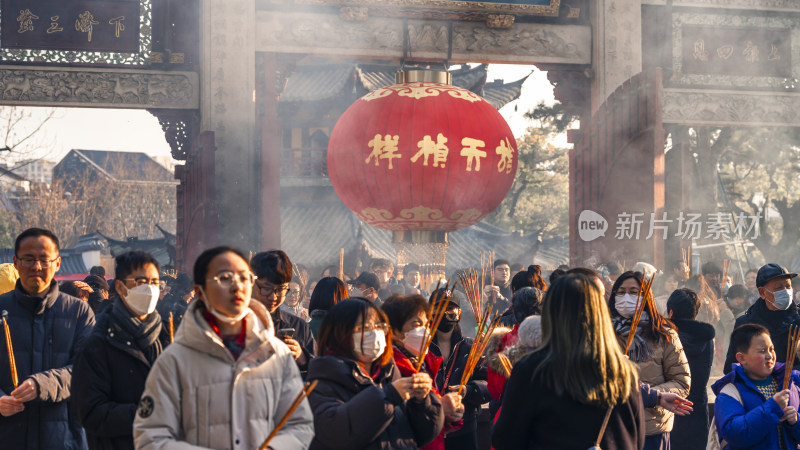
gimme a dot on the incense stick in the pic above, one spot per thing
(644, 290)
(171, 329)
(10, 348)
(791, 354)
(307, 388)
(436, 311)
(476, 352)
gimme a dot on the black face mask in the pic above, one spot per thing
(447, 324)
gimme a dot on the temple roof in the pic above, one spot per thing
(338, 228)
(325, 81)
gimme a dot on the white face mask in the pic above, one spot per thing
(413, 340)
(373, 345)
(356, 292)
(142, 299)
(222, 317)
(626, 305)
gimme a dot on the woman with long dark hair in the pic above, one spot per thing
(328, 292)
(558, 396)
(362, 401)
(656, 349)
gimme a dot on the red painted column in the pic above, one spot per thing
(269, 227)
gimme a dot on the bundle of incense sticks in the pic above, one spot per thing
(171, 328)
(726, 270)
(10, 348)
(686, 255)
(473, 285)
(506, 364)
(436, 313)
(341, 264)
(791, 354)
(645, 290)
(478, 346)
(307, 388)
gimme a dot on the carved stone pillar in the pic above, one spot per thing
(617, 45)
(228, 109)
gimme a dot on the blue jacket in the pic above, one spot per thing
(752, 423)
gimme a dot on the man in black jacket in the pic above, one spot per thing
(691, 432)
(111, 370)
(454, 349)
(774, 309)
(273, 270)
(47, 329)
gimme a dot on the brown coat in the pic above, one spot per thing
(666, 371)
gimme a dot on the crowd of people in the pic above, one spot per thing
(154, 359)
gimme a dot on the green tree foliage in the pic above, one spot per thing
(760, 169)
(539, 197)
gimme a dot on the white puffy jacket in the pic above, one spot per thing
(198, 396)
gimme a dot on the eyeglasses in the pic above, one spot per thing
(144, 280)
(226, 279)
(371, 326)
(30, 262)
(294, 292)
(271, 289)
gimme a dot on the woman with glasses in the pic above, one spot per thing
(227, 380)
(362, 401)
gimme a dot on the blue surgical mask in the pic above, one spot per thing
(783, 298)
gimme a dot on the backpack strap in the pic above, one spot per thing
(732, 391)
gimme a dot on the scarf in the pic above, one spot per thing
(640, 350)
(143, 333)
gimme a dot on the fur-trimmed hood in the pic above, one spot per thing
(490, 354)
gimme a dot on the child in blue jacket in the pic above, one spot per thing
(763, 416)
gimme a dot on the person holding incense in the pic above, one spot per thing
(454, 349)
(45, 329)
(655, 347)
(226, 380)
(409, 316)
(754, 409)
(361, 400)
(110, 372)
(544, 409)
(773, 310)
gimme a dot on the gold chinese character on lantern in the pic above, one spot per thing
(427, 148)
(85, 23)
(118, 25)
(25, 19)
(750, 52)
(472, 150)
(385, 148)
(506, 152)
(54, 28)
(700, 52)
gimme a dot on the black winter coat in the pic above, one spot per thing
(110, 374)
(46, 334)
(353, 412)
(533, 416)
(691, 432)
(302, 334)
(777, 322)
(475, 394)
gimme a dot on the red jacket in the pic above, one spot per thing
(432, 364)
(496, 382)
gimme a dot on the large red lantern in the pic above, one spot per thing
(422, 156)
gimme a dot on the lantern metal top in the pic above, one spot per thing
(423, 76)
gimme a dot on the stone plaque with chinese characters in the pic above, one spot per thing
(736, 51)
(89, 31)
(457, 7)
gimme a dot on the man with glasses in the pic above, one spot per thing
(111, 370)
(46, 328)
(273, 270)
